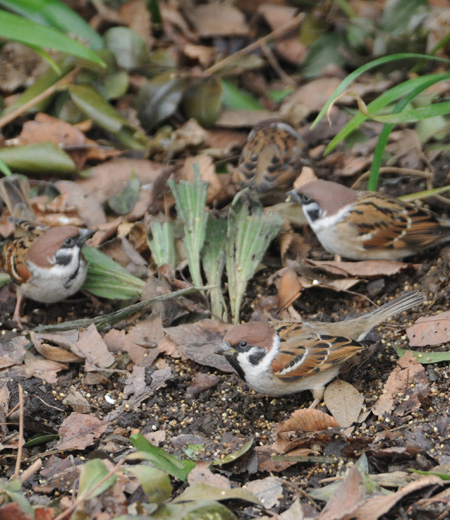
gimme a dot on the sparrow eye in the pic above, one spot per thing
(68, 242)
(306, 199)
(243, 344)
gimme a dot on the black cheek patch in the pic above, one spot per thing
(256, 357)
(63, 259)
(313, 214)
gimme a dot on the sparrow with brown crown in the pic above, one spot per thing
(284, 358)
(362, 225)
(46, 263)
(270, 161)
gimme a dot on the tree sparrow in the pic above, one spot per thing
(364, 225)
(46, 263)
(288, 357)
(270, 161)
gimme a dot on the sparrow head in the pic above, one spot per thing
(322, 198)
(248, 346)
(58, 245)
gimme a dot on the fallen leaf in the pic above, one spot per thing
(363, 269)
(202, 382)
(91, 347)
(377, 506)
(269, 490)
(306, 420)
(407, 378)
(198, 341)
(430, 330)
(203, 475)
(204, 19)
(77, 402)
(79, 431)
(289, 288)
(344, 402)
(348, 495)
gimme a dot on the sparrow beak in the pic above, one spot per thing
(225, 350)
(293, 196)
(85, 234)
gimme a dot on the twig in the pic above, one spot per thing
(114, 317)
(280, 31)
(8, 118)
(275, 65)
(19, 449)
(31, 470)
(394, 169)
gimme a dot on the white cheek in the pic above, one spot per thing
(325, 222)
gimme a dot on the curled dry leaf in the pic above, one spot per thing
(307, 420)
(289, 289)
(430, 330)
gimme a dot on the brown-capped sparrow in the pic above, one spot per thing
(363, 225)
(288, 357)
(270, 161)
(46, 263)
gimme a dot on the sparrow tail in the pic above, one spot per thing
(403, 303)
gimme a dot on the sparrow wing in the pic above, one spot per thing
(392, 224)
(303, 353)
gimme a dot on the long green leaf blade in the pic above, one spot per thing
(19, 29)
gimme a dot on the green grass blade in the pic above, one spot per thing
(368, 66)
(56, 14)
(385, 132)
(19, 29)
(386, 98)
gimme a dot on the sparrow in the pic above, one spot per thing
(362, 225)
(282, 358)
(46, 263)
(270, 161)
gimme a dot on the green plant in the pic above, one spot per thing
(402, 95)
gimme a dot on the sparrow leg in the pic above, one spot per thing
(16, 316)
(337, 258)
(318, 396)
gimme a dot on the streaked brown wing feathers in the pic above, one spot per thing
(306, 353)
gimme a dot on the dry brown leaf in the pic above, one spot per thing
(347, 496)
(62, 352)
(204, 19)
(430, 330)
(137, 16)
(42, 368)
(235, 118)
(354, 165)
(198, 341)
(79, 431)
(48, 128)
(269, 490)
(363, 269)
(202, 53)
(289, 288)
(115, 340)
(201, 383)
(306, 420)
(344, 402)
(289, 46)
(405, 380)
(375, 507)
(135, 383)
(91, 347)
(306, 175)
(308, 98)
(77, 402)
(142, 340)
(201, 474)
(87, 206)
